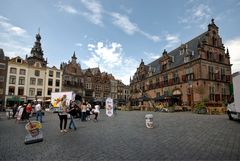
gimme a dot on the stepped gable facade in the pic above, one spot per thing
(198, 70)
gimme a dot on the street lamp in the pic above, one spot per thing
(190, 83)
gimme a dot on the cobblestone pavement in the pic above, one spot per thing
(176, 136)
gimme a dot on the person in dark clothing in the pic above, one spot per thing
(72, 113)
(15, 108)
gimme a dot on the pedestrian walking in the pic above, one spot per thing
(63, 114)
(84, 110)
(28, 110)
(15, 109)
(96, 111)
(72, 113)
(38, 110)
(89, 108)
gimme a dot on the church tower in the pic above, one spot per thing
(36, 54)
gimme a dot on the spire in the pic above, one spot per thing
(74, 58)
(212, 25)
(164, 52)
(227, 52)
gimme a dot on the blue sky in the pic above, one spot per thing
(114, 35)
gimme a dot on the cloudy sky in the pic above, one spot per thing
(114, 35)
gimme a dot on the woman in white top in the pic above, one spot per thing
(96, 111)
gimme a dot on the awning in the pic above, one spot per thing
(15, 99)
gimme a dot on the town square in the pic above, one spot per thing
(119, 80)
(175, 136)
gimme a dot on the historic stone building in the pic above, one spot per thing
(31, 79)
(92, 84)
(198, 70)
(123, 93)
(3, 77)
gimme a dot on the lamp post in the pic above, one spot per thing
(190, 83)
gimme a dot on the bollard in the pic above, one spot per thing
(149, 120)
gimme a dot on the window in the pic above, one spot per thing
(19, 60)
(186, 59)
(32, 92)
(50, 73)
(2, 78)
(49, 91)
(211, 93)
(22, 72)
(37, 73)
(32, 81)
(58, 74)
(1, 90)
(164, 66)
(165, 80)
(2, 66)
(39, 92)
(211, 73)
(40, 82)
(221, 58)
(74, 70)
(21, 81)
(57, 83)
(210, 55)
(88, 86)
(224, 95)
(57, 90)
(223, 74)
(98, 87)
(13, 70)
(11, 90)
(20, 91)
(175, 78)
(12, 79)
(50, 82)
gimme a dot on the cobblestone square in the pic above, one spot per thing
(175, 136)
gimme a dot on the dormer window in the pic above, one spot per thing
(164, 66)
(19, 60)
(186, 59)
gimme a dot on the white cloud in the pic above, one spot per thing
(67, 8)
(110, 58)
(94, 13)
(172, 40)
(79, 44)
(11, 29)
(151, 56)
(13, 39)
(129, 27)
(234, 51)
(124, 23)
(198, 15)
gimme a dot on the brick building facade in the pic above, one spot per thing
(196, 71)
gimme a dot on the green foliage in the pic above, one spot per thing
(200, 108)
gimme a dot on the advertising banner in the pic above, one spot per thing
(109, 107)
(57, 98)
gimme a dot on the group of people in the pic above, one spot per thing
(24, 111)
(83, 110)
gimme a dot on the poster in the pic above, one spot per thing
(109, 107)
(57, 98)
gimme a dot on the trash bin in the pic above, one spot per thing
(149, 120)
